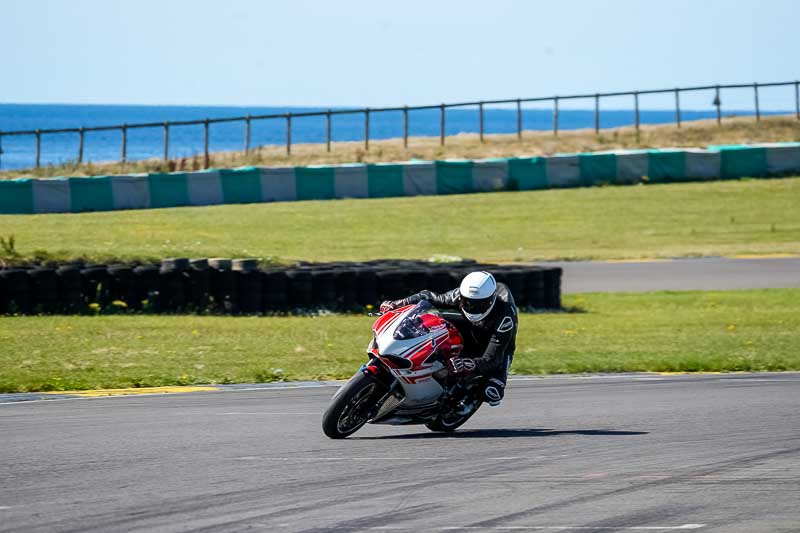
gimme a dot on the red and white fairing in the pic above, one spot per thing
(413, 342)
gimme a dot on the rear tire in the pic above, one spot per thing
(449, 424)
(349, 409)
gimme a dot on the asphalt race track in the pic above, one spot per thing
(710, 273)
(606, 453)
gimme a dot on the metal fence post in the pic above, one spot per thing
(247, 134)
(205, 144)
(519, 118)
(80, 145)
(38, 148)
(596, 113)
(480, 121)
(366, 129)
(166, 141)
(328, 130)
(441, 124)
(288, 134)
(758, 108)
(555, 115)
(678, 107)
(636, 111)
(718, 104)
(405, 126)
(124, 143)
(797, 99)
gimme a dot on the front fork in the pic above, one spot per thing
(381, 375)
(377, 371)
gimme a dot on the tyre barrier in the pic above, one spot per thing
(16, 291)
(199, 284)
(145, 287)
(44, 289)
(120, 285)
(70, 289)
(249, 291)
(95, 283)
(223, 289)
(366, 286)
(3, 297)
(223, 286)
(299, 292)
(172, 286)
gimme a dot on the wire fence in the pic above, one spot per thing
(368, 112)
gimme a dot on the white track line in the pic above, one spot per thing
(268, 413)
(325, 459)
(514, 528)
(557, 528)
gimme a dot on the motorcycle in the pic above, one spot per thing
(406, 380)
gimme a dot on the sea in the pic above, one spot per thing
(17, 152)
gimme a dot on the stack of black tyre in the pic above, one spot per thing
(239, 286)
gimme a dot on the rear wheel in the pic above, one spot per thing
(350, 407)
(450, 421)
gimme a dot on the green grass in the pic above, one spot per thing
(666, 331)
(694, 219)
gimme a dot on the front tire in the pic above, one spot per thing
(349, 409)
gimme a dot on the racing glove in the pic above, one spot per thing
(461, 365)
(387, 306)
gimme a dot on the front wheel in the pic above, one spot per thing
(450, 421)
(350, 407)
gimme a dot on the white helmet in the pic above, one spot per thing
(478, 293)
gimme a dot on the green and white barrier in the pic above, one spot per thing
(412, 178)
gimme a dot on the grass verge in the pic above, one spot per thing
(692, 219)
(697, 133)
(666, 331)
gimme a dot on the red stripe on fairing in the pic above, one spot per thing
(384, 326)
(420, 356)
(428, 341)
(397, 313)
(412, 348)
(406, 379)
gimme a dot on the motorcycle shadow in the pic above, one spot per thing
(507, 433)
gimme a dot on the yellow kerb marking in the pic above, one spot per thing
(765, 256)
(136, 390)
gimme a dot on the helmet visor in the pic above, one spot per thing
(475, 306)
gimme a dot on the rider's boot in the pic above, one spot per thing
(494, 391)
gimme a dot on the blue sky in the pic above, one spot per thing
(353, 52)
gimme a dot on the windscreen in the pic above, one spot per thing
(411, 326)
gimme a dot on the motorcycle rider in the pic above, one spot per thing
(488, 323)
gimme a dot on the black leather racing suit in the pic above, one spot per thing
(491, 342)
